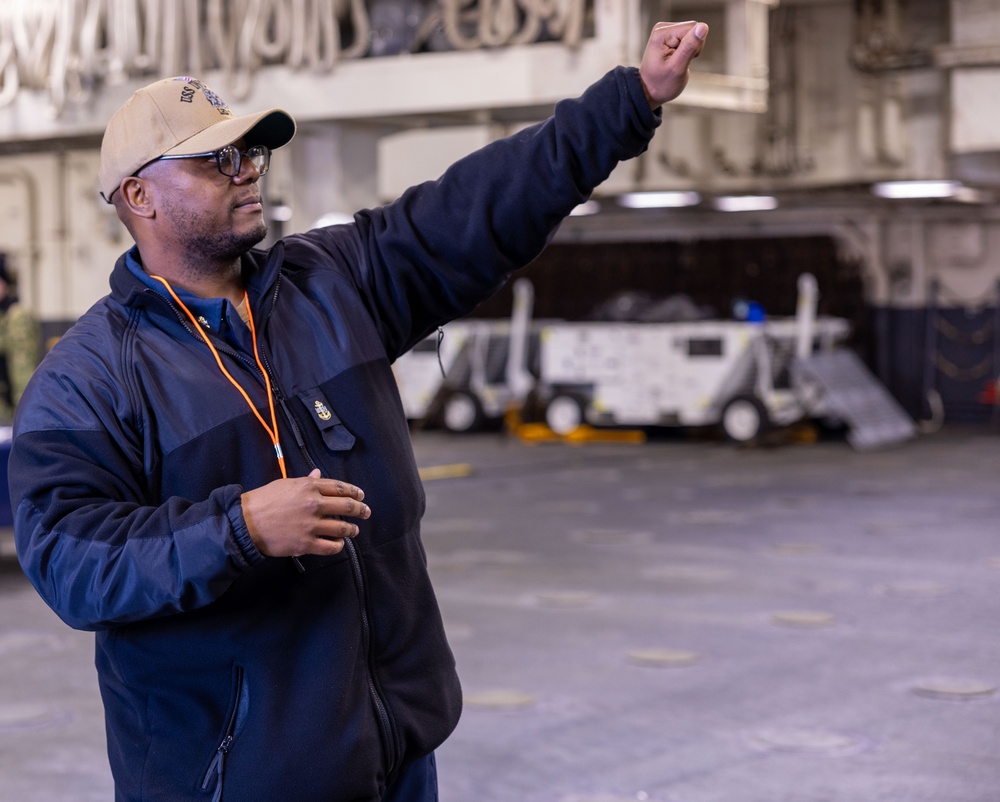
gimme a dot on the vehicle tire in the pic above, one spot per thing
(744, 419)
(462, 413)
(564, 413)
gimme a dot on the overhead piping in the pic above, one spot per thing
(69, 48)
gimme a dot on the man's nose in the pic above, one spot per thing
(249, 172)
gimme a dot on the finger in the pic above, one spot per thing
(315, 473)
(693, 41)
(338, 506)
(671, 33)
(335, 529)
(326, 547)
(338, 488)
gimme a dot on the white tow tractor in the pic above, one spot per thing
(730, 372)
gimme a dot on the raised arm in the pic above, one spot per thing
(445, 246)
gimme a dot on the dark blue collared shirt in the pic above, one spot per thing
(216, 315)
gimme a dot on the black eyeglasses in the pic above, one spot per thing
(229, 159)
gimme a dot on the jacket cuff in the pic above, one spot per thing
(649, 117)
(248, 553)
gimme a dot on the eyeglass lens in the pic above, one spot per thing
(230, 160)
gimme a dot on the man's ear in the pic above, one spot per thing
(137, 196)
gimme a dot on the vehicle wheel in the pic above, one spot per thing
(563, 414)
(462, 413)
(744, 419)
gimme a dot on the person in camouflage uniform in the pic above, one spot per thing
(19, 339)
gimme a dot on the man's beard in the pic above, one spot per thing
(223, 247)
(202, 240)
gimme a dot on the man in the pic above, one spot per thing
(19, 344)
(188, 462)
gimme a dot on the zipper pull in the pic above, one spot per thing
(218, 767)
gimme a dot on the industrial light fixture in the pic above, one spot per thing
(897, 190)
(658, 200)
(333, 219)
(586, 208)
(745, 203)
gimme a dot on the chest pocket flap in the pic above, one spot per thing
(335, 434)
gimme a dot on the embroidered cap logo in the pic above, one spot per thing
(188, 95)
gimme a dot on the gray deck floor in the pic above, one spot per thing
(677, 621)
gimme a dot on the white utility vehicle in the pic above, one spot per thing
(745, 376)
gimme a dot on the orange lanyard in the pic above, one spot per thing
(271, 430)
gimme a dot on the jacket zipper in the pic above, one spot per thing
(217, 769)
(383, 713)
(355, 559)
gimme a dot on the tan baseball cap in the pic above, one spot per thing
(182, 117)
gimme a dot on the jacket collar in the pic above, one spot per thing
(131, 286)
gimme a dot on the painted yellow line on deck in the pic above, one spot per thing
(445, 471)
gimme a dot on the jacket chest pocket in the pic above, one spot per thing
(335, 434)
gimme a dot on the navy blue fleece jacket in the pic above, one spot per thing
(221, 670)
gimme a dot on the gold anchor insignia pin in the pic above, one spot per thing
(322, 411)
